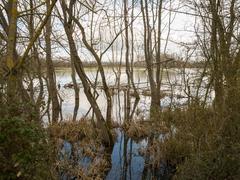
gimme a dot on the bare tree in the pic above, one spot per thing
(68, 23)
(154, 78)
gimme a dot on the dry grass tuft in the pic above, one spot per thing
(138, 130)
(73, 131)
(84, 138)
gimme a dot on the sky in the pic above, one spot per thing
(181, 29)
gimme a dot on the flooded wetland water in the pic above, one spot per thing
(128, 156)
(63, 78)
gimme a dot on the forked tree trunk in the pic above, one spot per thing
(105, 133)
(154, 78)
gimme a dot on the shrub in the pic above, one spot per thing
(200, 147)
(24, 150)
(218, 164)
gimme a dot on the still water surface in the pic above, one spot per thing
(63, 76)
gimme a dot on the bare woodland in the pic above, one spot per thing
(200, 136)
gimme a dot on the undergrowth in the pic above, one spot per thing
(25, 152)
(86, 144)
(195, 145)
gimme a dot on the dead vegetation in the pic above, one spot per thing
(85, 145)
(138, 130)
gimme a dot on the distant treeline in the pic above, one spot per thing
(167, 63)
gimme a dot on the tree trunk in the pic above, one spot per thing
(76, 89)
(53, 94)
(12, 82)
